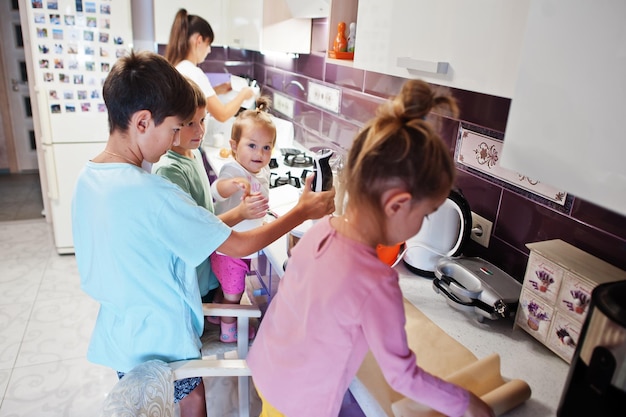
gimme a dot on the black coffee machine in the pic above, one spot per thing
(596, 383)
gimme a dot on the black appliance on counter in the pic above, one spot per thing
(596, 383)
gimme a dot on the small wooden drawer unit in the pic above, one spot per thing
(556, 293)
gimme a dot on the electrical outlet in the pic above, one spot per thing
(481, 230)
(284, 105)
(325, 97)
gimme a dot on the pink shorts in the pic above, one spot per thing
(230, 272)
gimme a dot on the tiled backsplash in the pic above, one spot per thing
(519, 217)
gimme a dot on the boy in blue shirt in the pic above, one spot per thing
(138, 237)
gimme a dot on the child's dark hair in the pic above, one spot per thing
(146, 81)
(400, 148)
(257, 117)
(184, 26)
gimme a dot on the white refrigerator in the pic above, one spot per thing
(70, 48)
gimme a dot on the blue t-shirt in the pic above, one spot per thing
(138, 239)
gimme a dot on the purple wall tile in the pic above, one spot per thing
(340, 132)
(275, 79)
(236, 54)
(311, 66)
(358, 107)
(218, 53)
(285, 62)
(520, 221)
(382, 85)
(482, 196)
(481, 109)
(600, 218)
(267, 60)
(295, 86)
(259, 74)
(309, 117)
(343, 76)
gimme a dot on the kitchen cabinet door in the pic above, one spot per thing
(257, 25)
(282, 32)
(565, 123)
(480, 41)
(210, 10)
(242, 24)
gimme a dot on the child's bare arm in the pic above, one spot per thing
(253, 206)
(229, 186)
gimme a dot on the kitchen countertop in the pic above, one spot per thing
(521, 356)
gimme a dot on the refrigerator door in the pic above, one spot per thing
(64, 162)
(70, 46)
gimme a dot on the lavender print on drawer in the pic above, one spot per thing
(534, 316)
(543, 277)
(564, 336)
(575, 297)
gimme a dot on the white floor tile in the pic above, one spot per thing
(61, 279)
(70, 388)
(13, 322)
(58, 329)
(4, 381)
(20, 279)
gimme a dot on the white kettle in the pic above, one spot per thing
(443, 234)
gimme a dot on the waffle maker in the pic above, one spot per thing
(476, 287)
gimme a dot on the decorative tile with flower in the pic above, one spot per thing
(478, 151)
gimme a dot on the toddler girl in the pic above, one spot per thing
(252, 141)
(337, 300)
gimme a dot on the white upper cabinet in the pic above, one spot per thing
(472, 45)
(242, 23)
(565, 125)
(165, 11)
(282, 32)
(258, 25)
(309, 8)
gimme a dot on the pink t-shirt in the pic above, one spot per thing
(336, 301)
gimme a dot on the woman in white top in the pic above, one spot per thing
(190, 43)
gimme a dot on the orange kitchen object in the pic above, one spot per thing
(341, 42)
(389, 254)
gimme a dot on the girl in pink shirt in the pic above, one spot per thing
(337, 300)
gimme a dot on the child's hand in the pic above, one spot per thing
(247, 93)
(230, 186)
(253, 206)
(222, 88)
(241, 184)
(316, 204)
